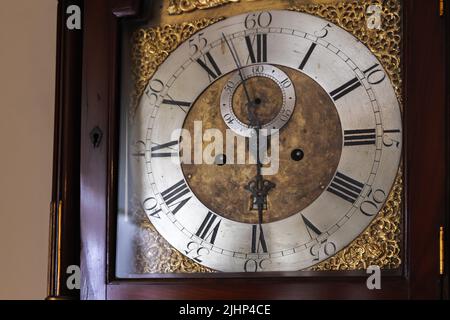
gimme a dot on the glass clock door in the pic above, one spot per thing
(258, 137)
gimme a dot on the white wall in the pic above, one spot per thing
(27, 77)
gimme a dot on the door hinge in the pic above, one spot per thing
(441, 8)
(441, 251)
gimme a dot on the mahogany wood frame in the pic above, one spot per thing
(426, 171)
(64, 246)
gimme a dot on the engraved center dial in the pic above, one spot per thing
(314, 129)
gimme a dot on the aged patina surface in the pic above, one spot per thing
(314, 128)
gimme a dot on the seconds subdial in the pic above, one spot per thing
(274, 105)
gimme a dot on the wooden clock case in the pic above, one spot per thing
(83, 207)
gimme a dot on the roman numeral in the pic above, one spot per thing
(345, 88)
(307, 56)
(164, 146)
(212, 73)
(359, 137)
(258, 241)
(179, 104)
(311, 228)
(261, 48)
(209, 228)
(175, 193)
(345, 187)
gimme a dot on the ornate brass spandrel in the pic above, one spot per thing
(153, 45)
(181, 6)
(384, 43)
(380, 243)
(153, 254)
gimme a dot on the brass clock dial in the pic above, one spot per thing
(337, 116)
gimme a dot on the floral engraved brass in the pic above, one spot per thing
(153, 254)
(181, 6)
(379, 244)
(384, 43)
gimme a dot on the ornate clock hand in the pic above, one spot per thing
(250, 103)
(258, 187)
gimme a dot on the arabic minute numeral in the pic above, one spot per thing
(324, 31)
(153, 91)
(197, 43)
(258, 20)
(327, 248)
(388, 141)
(196, 251)
(254, 265)
(371, 206)
(150, 205)
(375, 75)
(286, 83)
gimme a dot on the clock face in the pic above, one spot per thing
(319, 101)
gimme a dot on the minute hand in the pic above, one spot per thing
(250, 105)
(258, 187)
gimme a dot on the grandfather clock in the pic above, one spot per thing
(237, 149)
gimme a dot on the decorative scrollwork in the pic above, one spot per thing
(181, 6)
